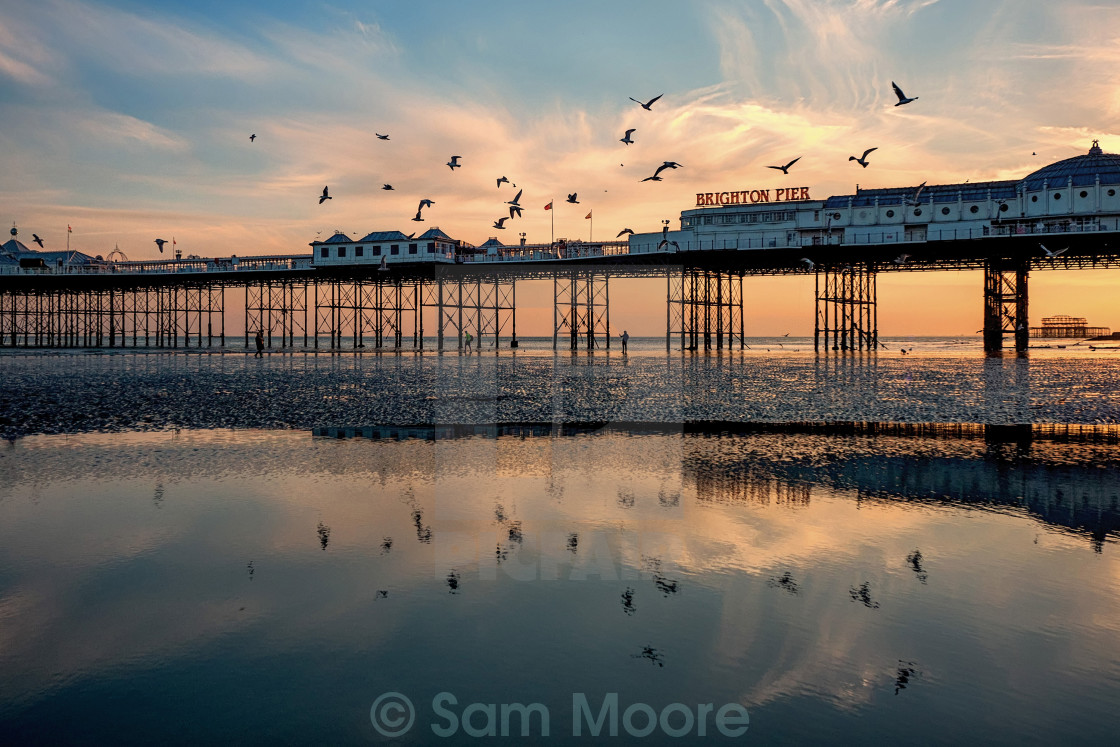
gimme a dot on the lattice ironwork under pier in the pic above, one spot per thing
(704, 309)
(581, 309)
(482, 303)
(1005, 303)
(847, 317)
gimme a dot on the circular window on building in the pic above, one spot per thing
(836, 216)
(862, 213)
(1112, 193)
(1003, 208)
(1034, 198)
(917, 211)
(1084, 193)
(890, 213)
(974, 209)
(944, 211)
(1057, 195)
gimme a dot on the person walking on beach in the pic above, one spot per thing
(625, 339)
(468, 345)
(260, 345)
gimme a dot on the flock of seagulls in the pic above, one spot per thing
(514, 205)
(627, 139)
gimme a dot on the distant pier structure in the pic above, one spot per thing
(1068, 326)
(388, 291)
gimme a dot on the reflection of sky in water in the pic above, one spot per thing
(270, 585)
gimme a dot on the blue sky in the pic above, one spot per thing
(130, 120)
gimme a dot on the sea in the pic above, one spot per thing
(762, 545)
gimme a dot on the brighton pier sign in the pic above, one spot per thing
(752, 196)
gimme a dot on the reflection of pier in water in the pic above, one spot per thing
(1066, 475)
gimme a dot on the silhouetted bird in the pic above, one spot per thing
(901, 259)
(667, 165)
(625, 230)
(1054, 253)
(649, 103)
(498, 223)
(381, 137)
(160, 243)
(807, 262)
(423, 204)
(785, 169)
(502, 179)
(516, 199)
(626, 138)
(386, 186)
(454, 163)
(514, 210)
(862, 160)
(917, 194)
(252, 137)
(324, 196)
(37, 240)
(901, 96)
(572, 199)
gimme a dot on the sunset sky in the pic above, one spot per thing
(130, 121)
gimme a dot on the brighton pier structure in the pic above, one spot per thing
(376, 291)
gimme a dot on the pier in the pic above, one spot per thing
(376, 293)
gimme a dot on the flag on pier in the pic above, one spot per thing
(69, 229)
(588, 216)
(548, 206)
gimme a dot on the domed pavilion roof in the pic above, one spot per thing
(1084, 171)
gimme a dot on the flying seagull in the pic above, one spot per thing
(454, 163)
(572, 198)
(626, 138)
(654, 178)
(917, 194)
(807, 262)
(1049, 253)
(381, 137)
(160, 243)
(649, 103)
(252, 137)
(625, 230)
(383, 267)
(516, 199)
(514, 209)
(901, 259)
(901, 96)
(502, 179)
(666, 165)
(423, 204)
(862, 160)
(324, 196)
(498, 223)
(386, 186)
(785, 169)
(37, 240)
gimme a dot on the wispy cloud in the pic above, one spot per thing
(121, 128)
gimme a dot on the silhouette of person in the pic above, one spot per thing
(469, 338)
(625, 338)
(260, 345)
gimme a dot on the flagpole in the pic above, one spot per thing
(552, 210)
